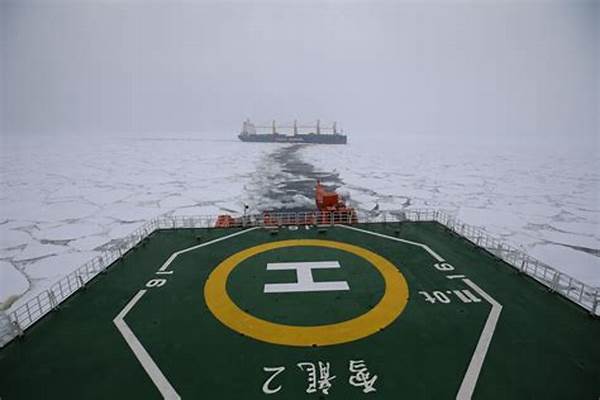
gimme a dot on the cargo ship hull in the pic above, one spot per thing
(303, 138)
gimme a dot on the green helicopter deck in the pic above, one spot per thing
(385, 311)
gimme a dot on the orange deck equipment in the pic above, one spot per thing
(332, 207)
(331, 210)
(327, 201)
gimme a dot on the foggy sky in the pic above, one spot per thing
(487, 68)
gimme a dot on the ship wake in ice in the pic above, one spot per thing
(64, 200)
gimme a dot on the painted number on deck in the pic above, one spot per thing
(445, 297)
(320, 377)
(158, 282)
(444, 266)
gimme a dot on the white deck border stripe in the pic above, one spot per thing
(168, 392)
(161, 383)
(177, 253)
(423, 246)
(470, 379)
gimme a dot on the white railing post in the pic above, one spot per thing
(28, 311)
(595, 303)
(17, 327)
(594, 308)
(52, 298)
(555, 281)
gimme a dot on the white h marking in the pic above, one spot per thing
(305, 281)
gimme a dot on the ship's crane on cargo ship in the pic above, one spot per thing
(295, 132)
(274, 127)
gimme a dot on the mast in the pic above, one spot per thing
(295, 127)
(335, 128)
(274, 130)
(318, 127)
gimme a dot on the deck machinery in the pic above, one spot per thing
(331, 209)
(311, 306)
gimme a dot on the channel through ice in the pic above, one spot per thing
(65, 199)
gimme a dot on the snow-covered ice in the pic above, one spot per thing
(542, 196)
(62, 199)
(12, 285)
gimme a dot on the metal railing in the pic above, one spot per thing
(35, 308)
(573, 289)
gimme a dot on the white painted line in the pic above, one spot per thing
(304, 265)
(161, 383)
(470, 379)
(455, 276)
(462, 297)
(335, 286)
(424, 246)
(304, 278)
(471, 296)
(174, 255)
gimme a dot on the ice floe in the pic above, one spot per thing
(539, 196)
(12, 284)
(64, 198)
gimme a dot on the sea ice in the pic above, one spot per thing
(67, 231)
(89, 242)
(36, 250)
(55, 267)
(505, 187)
(87, 191)
(10, 238)
(578, 264)
(197, 211)
(176, 201)
(12, 284)
(120, 230)
(128, 212)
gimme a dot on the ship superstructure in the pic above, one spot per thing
(292, 133)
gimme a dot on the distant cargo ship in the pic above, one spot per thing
(315, 133)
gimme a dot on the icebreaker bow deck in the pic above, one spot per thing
(311, 306)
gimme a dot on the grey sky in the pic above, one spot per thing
(479, 68)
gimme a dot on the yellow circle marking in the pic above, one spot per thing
(384, 313)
